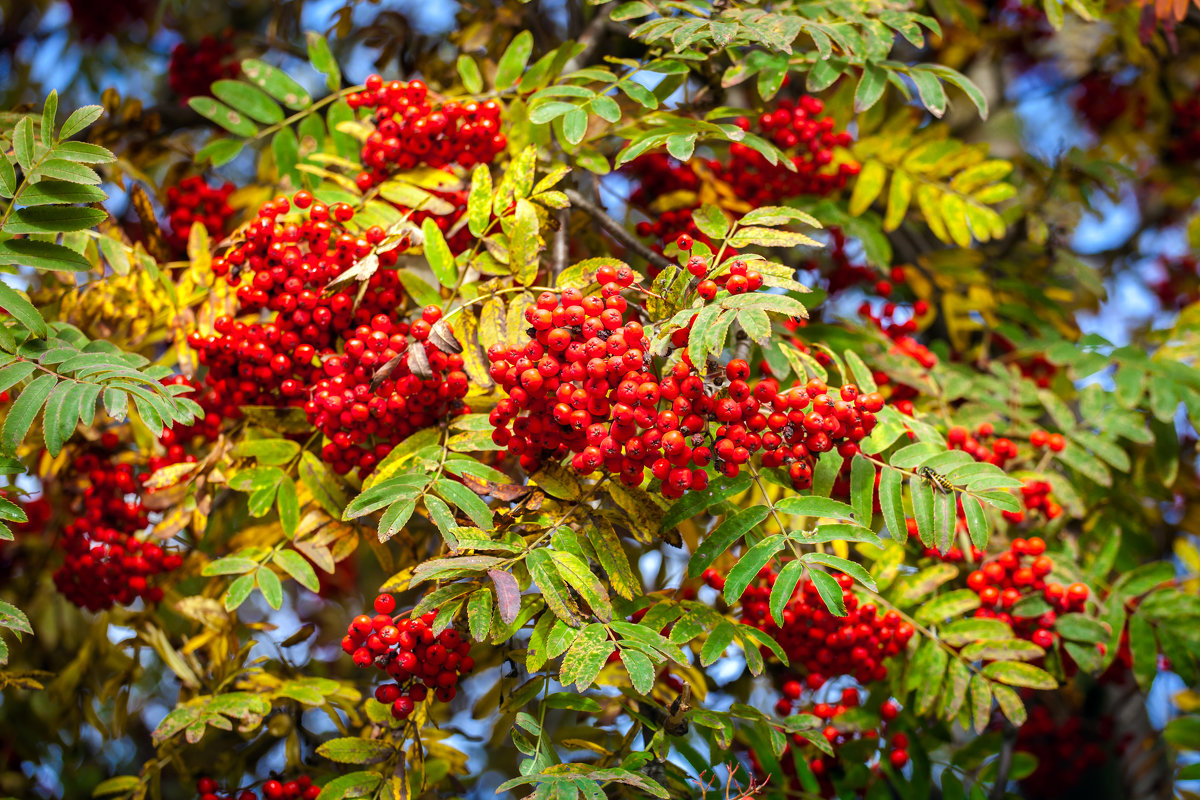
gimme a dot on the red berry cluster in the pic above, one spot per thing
(797, 128)
(1101, 101)
(321, 351)
(192, 201)
(1036, 496)
(1179, 282)
(301, 788)
(195, 67)
(411, 132)
(584, 387)
(739, 278)
(824, 766)
(954, 555)
(1007, 579)
(106, 563)
(975, 445)
(408, 651)
(1067, 751)
(94, 21)
(1185, 130)
(816, 641)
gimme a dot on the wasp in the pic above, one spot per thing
(937, 479)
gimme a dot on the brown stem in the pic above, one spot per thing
(616, 229)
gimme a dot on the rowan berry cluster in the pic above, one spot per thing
(738, 279)
(195, 67)
(825, 766)
(302, 788)
(585, 388)
(1067, 751)
(1035, 495)
(823, 645)
(410, 131)
(106, 563)
(192, 200)
(1185, 130)
(364, 375)
(954, 555)
(1101, 101)
(797, 127)
(417, 661)
(1006, 580)
(1179, 281)
(999, 452)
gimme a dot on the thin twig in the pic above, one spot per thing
(558, 257)
(1005, 762)
(616, 229)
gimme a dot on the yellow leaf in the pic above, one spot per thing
(927, 199)
(867, 187)
(899, 196)
(954, 213)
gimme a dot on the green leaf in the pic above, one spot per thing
(693, 502)
(809, 506)
(276, 83)
(733, 528)
(272, 589)
(978, 524)
(933, 96)
(14, 618)
(717, 642)
(395, 518)
(8, 177)
(948, 606)
(945, 519)
(1016, 673)
(830, 592)
(23, 311)
(468, 70)
(610, 553)
(352, 750)
(438, 254)
(512, 62)
(229, 565)
(578, 575)
(83, 153)
(42, 255)
(238, 591)
(479, 613)
(851, 568)
(248, 100)
(575, 124)
(220, 151)
(466, 500)
(862, 488)
(828, 467)
(784, 587)
(870, 87)
(53, 219)
(891, 502)
(121, 784)
(641, 671)
(479, 201)
(922, 500)
(23, 143)
(23, 411)
(79, 119)
(58, 421)
(747, 567)
(321, 57)
(298, 567)
(554, 589)
(224, 116)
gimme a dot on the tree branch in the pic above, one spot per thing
(616, 229)
(1005, 762)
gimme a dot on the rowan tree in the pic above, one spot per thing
(662, 398)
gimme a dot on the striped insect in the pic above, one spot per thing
(936, 478)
